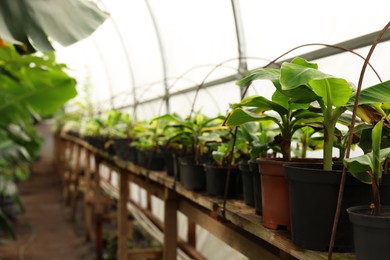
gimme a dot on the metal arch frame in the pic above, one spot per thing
(127, 58)
(162, 53)
(242, 65)
(109, 79)
(355, 43)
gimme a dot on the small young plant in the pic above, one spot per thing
(368, 168)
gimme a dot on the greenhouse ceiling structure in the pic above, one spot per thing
(155, 54)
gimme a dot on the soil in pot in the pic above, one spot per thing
(216, 180)
(313, 198)
(192, 176)
(371, 233)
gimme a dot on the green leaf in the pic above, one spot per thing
(31, 22)
(376, 146)
(261, 104)
(239, 116)
(335, 91)
(260, 74)
(364, 167)
(288, 102)
(379, 93)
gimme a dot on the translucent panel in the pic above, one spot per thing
(349, 66)
(196, 33)
(210, 101)
(273, 27)
(150, 110)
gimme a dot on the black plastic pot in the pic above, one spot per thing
(216, 180)
(313, 200)
(123, 150)
(371, 233)
(151, 160)
(171, 164)
(247, 183)
(254, 168)
(192, 176)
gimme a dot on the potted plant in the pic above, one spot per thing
(223, 170)
(191, 150)
(314, 188)
(371, 223)
(259, 136)
(289, 116)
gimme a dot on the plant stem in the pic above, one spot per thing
(328, 145)
(376, 196)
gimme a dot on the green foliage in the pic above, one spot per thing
(305, 96)
(368, 168)
(31, 87)
(190, 135)
(29, 24)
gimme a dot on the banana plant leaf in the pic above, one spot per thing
(33, 23)
(366, 166)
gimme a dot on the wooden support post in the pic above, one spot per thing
(75, 181)
(98, 211)
(68, 172)
(123, 215)
(88, 197)
(191, 236)
(170, 225)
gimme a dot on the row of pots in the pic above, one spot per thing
(298, 195)
(303, 198)
(193, 177)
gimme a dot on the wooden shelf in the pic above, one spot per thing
(239, 218)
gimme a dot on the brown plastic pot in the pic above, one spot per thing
(275, 192)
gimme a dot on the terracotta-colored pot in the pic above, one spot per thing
(274, 193)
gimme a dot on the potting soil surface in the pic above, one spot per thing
(45, 230)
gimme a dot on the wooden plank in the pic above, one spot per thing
(122, 216)
(88, 192)
(170, 225)
(247, 244)
(144, 253)
(98, 211)
(239, 217)
(75, 182)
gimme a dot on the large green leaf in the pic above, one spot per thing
(260, 74)
(379, 93)
(32, 22)
(46, 92)
(261, 104)
(31, 84)
(239, 116)
(337, 91)
(334, 91)
(287, 102)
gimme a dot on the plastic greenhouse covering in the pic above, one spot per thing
(147, 49)
(151, 56)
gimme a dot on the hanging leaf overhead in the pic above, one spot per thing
(32, 24)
